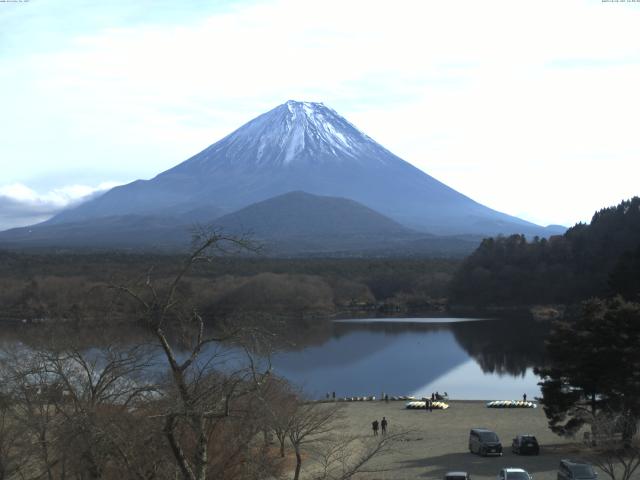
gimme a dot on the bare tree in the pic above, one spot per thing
(201, 393)
(14, 442)
(71, 405)
(617, 455)
(99, 389)
(29, 388)
(314, 429)
(310, 423)
(279, 404)
(109, 413)
(341, 457)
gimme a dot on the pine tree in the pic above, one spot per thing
(593, 367)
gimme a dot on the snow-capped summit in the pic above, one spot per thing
(294, 132)
(307, 147)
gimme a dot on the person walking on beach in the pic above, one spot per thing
(430, 406)
(374, 425)
(383, 424)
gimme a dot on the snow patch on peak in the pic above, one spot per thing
(308, 109)
(295, 143)
(294, 133)
(335, 133)
(299, 103)
(312, 130)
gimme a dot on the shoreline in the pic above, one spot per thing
(410, 398)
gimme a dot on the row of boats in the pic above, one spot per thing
(511, 404)
(421, 405)
(414, 404)
(373, 397)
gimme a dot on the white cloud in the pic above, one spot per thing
(526, 107)
(21, 205)
(57, 198)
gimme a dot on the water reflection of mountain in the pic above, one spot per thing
(357, 358)
(502, 346)
(363, 361)
(506, 346)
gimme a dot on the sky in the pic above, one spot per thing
(529, 107)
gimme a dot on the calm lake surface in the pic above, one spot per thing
(467, 358)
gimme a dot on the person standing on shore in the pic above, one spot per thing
(374, 425)
(383, 424)
(524, 397)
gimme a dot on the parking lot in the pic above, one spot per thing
(438, 440)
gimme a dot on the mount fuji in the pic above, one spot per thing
(296, 147)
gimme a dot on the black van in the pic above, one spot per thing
(571, 470)
(484, 442)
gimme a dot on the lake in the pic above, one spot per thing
(468, 358)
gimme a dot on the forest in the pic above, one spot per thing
(69, 286)
(597, 259)
(589, 260)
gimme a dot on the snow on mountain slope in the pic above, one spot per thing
(295, 132)
(302, 146)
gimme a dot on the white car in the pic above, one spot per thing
(514, 474)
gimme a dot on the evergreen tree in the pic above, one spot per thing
(625, 277)
(587, 261)
(593, 367)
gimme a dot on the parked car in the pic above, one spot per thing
(514, 474)
(457, 476)
(570, 470)
(484, 442)
(524, 444)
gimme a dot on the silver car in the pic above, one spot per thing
(512, 473)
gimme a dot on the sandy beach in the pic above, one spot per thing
(438, 440)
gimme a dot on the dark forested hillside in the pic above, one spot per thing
(69, 286)
(597, 259)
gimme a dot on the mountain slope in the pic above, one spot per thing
(300, 146)
(300, 222)
(293, 224)
(139, 232)
(302, 214)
